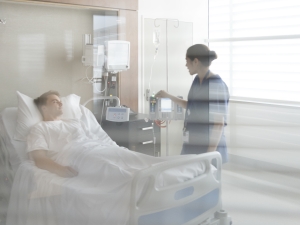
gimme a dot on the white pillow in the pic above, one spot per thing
(29, 115)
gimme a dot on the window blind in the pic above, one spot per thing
(258, 47)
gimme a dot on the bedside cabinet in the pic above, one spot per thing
(135, 134)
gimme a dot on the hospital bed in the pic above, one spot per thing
(190, 202)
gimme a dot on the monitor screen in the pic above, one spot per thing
(117, 110)
(166, 105)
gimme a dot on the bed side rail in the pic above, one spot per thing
(189, 202)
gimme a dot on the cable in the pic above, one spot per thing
(86, 76)
(103, 100)
(156, 36)
(92, 81)
(102, 111)
(161, 122)
(105, 82)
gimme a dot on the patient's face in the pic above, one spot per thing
(54, 106)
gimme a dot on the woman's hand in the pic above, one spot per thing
(162, 94)
(179, 101)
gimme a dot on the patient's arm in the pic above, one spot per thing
(42, 161)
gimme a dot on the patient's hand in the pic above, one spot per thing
(68, 171)
(42, 161)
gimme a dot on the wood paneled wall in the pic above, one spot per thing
(128, 31)
(116, 4)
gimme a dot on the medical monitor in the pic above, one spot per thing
(117, 55)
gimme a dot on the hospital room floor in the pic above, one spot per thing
(256, 197)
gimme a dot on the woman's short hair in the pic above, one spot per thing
(202, 53)
(42, 100)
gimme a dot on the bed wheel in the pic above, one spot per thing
(223, 218)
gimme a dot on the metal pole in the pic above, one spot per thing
(167, 127)
(167, 71)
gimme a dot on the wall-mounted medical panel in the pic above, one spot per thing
(121, 26)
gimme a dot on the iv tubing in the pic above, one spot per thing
(104, 97)
(156, 52)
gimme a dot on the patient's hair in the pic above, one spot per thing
(202, 53)
(42, 100)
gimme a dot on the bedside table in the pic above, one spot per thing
(135, 134)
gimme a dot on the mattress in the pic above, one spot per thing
(15, 149)
(40, 197)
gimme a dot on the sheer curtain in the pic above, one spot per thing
(258, 47)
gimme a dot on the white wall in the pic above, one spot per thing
(195, 11)
(264, 132)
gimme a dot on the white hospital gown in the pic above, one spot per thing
(58, 136)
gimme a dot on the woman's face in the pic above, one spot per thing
(191, 65)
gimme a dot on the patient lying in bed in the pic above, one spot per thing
(101, 172)
(53, 142)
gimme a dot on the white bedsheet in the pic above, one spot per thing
(100, 194)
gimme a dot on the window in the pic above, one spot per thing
(258, 47)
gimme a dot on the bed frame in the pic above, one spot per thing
(193, 202)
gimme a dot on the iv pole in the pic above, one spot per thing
(167, 71)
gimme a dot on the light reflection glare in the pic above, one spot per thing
(266, 69)
(32, 54)
(69, 45)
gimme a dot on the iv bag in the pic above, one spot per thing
(156, 36)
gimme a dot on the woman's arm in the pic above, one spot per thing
(163, 94)
(216, 133)
(218, 97)
(42, 161)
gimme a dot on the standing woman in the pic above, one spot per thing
(206, 107)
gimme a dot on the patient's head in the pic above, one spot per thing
(49, 105)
